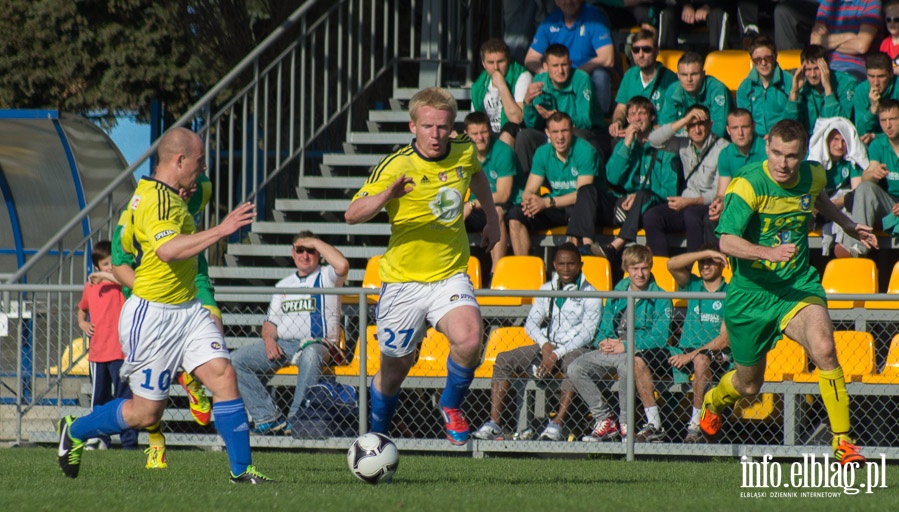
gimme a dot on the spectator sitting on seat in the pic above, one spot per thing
(836, 146)
(301, 329)
(819, 91)
(702, 325)
(698, 153)
(695, 87)
(575, 174)
(559, 88)
(562, 329)
(875, 201)
(682, 12)
(745, 148)
(652, 326)
(890, 44)
(584, 30)
(504, 174)
(766, 91)
(642, 175)
(647, 78)
(846, 29)
(879, 85)
(499, 90)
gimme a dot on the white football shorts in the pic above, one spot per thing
(404, 307)
(159, 338)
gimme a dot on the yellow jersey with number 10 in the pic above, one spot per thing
(428, 241)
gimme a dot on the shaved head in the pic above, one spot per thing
(178, 141)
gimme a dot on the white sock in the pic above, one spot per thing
(652, 416)
(694, 420)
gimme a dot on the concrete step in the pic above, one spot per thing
(376, 139)
(333, 182)
(321, 228)
(402, 116)
(406, 93)
(312, 205)
(266, 273)
(283, 250)
(354, 160)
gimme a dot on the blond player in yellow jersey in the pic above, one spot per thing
(163, 326)
(422, 187)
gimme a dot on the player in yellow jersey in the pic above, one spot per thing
(163, 325)
(422, 187)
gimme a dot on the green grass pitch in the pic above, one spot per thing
(198, 481)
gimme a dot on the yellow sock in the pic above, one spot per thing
(156, 436)
(722, 395)
(835, 398)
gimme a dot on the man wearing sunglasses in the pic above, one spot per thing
(300, 328)
(647, 78)
(766, 91)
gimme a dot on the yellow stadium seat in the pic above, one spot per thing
(598, 272)
(372, 277)
(892, 288)
(849, 275)
(788, 59)
(515, 273)
(758, 408)
(855, 351)
(669, 58)
(77, 352)
(372, 354)
(433, 351)
(785, 360)
(501, 339)
(474, 272)
(890, 373)
(729, 66)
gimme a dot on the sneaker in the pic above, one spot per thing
(709, 422)
(251, 476)
(490, 431)
(70, 449)
(200, 407)
(845, 451)
(694, 435)
(156, 457)
(456, 426)
(271, 428)
(605, 430)
(650, 434)
(607, 251)
(552, 432)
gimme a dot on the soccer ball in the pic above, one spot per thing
(373, 458)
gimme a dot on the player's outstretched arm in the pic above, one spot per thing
(481, 188)
(182, 247)
(860, 232)
(366, 207)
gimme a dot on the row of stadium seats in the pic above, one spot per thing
(729, 66)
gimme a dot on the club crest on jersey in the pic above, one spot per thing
(442, 177)
(459, 172)
(134, 202)
(805, 202)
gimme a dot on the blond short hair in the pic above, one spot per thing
(434, 97)
(634, 255)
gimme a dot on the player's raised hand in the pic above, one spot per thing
(400, 187)
(864, 234)
(239, 217)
